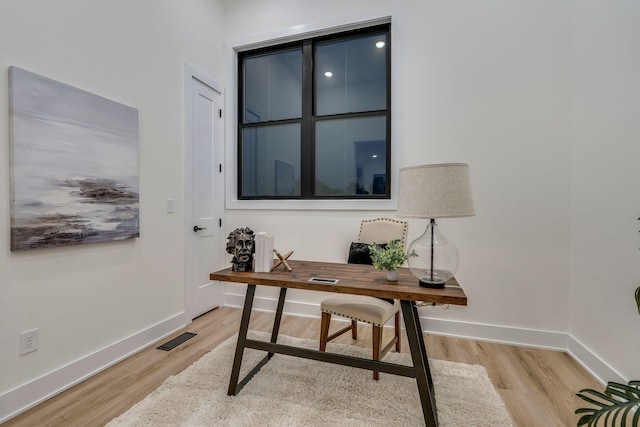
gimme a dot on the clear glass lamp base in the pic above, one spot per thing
(435, 258)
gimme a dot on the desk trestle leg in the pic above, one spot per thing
(278, 318)
(234, 386)
(242, 336)
(420, 362)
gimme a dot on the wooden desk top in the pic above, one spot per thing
(355, 279)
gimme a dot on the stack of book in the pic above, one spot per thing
(263, 257)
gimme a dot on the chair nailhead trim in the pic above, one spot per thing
(354, 318)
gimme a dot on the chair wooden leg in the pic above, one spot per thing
(354, 329)
(324, 330)
(377, 343)
(397, 326)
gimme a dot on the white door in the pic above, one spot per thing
(205, 251)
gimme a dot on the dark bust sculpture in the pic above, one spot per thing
(240, 244)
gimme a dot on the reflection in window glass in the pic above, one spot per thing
(351, 75)
(351, 157)
(321, 131)
(271, 161)
(274, 73)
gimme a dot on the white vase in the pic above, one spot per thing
(392, 276)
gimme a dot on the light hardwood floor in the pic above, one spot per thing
(537, 386)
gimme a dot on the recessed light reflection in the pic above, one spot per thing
(375, 156)
(328, 74)
(380, 44)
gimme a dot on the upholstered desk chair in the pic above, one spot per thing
(372, 310)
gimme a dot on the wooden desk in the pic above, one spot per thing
(353, 279)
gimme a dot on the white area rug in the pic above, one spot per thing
(290, 391)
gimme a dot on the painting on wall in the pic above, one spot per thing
(74, 165)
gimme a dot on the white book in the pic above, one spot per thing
(268, 253)
(258, 259)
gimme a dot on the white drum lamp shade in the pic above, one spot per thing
(434, 191)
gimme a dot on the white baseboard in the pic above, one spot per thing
(294, 308)
(551, 340)
(492, 333)
(477, 331)
(592, 363)
(19, 399)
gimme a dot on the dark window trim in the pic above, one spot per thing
(308, 119)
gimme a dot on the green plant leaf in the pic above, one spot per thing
(584, 420)
(390, 257)
(617, 403)
(624, 390)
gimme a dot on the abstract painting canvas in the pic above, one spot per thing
(74, 165)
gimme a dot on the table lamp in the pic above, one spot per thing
(434, 191)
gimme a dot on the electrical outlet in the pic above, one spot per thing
(171, 206)
(28, 341)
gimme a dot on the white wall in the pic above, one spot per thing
(484, 83)
(95, 303)
(541, 99)
(605, 176)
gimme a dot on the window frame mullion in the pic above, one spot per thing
(308, 119)
(307, 160)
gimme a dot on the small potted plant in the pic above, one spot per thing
(389, 257)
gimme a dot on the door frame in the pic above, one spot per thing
(191, 73)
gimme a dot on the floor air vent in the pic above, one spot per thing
(169, 345)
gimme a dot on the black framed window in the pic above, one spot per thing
(314, 119)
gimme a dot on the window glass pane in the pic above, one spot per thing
(351, 75)
(273, 86)
(351, 156)
(271, 161)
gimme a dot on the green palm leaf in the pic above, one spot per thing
(618, 404)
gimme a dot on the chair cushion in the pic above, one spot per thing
(362, 308)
